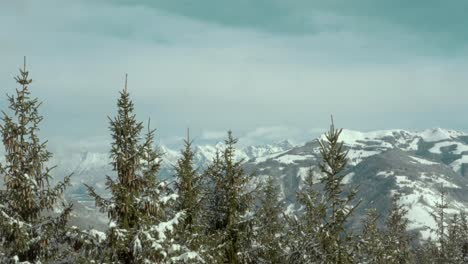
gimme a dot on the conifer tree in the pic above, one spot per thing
(397, 239)
(320, 235)
(456, 247)
(334, 236)
(371, 244)
(303, 239)
(452, 246)
(140, 230)
(270, 225)
(440, 217)
(214, 211)
(229, 227)
(189, 188)
(29, 231)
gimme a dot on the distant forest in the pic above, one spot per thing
(217, 215)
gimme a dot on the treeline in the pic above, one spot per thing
(218, 215)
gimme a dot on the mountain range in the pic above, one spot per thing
(417, 165)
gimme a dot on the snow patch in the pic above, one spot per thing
(100, 236)
(438, 134)
(385, 174)
(348, 178)
(456, 165)
(459, 147)
(352, 138)
(422, 161)
(439, 180)
(270, 156)
(290, 159)
(356, 156)
(413, 145)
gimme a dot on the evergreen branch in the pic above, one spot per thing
(103, 204)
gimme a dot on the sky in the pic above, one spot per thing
(266, 69)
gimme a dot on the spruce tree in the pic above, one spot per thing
(453, 245)
(440, 218)
(303, 238)
(371, 245)
(29, 231)
(189, 188)
(320, 235)
(335, 239)
(457, 241)
(426, 252)
(397, 239)
(229, 204)
(270, 225)
(140, 229)
(214, 210)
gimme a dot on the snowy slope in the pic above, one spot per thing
(415, 164)
(92, 168)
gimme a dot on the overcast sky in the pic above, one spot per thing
(267, 69)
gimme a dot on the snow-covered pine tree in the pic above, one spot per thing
(303, 236)
(319, 235)
(230, 200)
(214, 211)
(189, 188)
(29, 230)
(334, 238)
(140, 230)
(440, 216)
(463, 229)
(269, 229)
(426, 252)
(371, 246)
(397, 239)
(456, 247)
(454, 241)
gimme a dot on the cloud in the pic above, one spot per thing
(257, 136)
(213, 135)
(445, 29)
(187, 69)
(273, 134)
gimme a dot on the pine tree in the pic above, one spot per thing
(462, 231)
(303, 238)
(453, 245)
(189, 189)
(214, 210)
(229, 202)
(371, 244)
(440, 217)
(397, 239)
(319, 235)
(140, 229)
(29, 231)
(455, 242)
(270, 225)
(334, 236)
(426, 252)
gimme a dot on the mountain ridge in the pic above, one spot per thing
(415, 164)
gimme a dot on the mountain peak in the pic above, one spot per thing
(285, 143)
(439, 134)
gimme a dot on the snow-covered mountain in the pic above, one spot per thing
(416, 164)
(93, 167)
